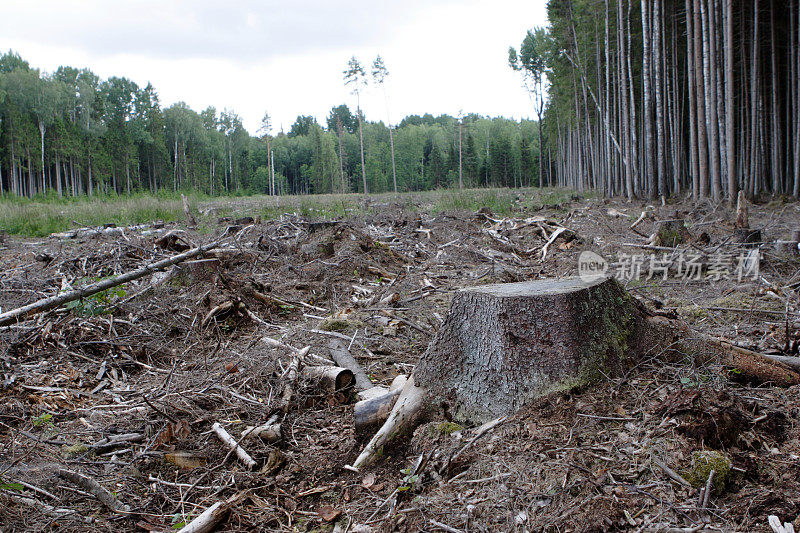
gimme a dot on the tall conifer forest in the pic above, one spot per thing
(663, 97)
(70, 133)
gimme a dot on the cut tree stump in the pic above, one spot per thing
(503, 345)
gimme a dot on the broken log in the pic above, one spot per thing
(330, 378)
(410, 405)
(376, 410)
(15, 315)
(343, 358)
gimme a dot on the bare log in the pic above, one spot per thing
(405, 414)
(15, 315)
(343, 358)
(225, 437)
(376, 409)
(330, 378)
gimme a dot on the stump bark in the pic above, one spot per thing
(503, 345)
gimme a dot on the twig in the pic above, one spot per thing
(444, 526)
(707, 493)
(482, 430)
(159, 411)
(671, 473)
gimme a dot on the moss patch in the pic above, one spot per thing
(336, 324)
(703, 462)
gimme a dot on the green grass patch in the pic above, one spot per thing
(44, 215)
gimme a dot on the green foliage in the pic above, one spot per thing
(408, 481)
(5, 485)
(44, 420)
(96, 304)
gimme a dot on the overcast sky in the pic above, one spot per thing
(287, 57)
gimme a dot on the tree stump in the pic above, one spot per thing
(503, 345)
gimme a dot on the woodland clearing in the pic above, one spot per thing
(130, 386)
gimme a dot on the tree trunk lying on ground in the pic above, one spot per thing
(502, 346)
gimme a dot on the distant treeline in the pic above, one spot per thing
(70, 133)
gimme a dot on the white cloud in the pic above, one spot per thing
(288, 57)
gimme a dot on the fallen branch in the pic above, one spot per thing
(550, 241)
(15, 315)
(49, 510)
(225, 437)
(93, 487)
(308, 358)
(212, 516)
(222, 308)
(270, 431)
(673, 475)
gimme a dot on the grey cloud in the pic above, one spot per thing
(240, 31)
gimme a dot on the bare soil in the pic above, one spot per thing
(149, 361)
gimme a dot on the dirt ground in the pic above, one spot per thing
(124, 387)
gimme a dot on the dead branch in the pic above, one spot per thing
(225, 437)
(550, 241)
(49, 510)
(93, 487)
(212, 516)
(15, 315)
(270, 431)
(671, 473)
